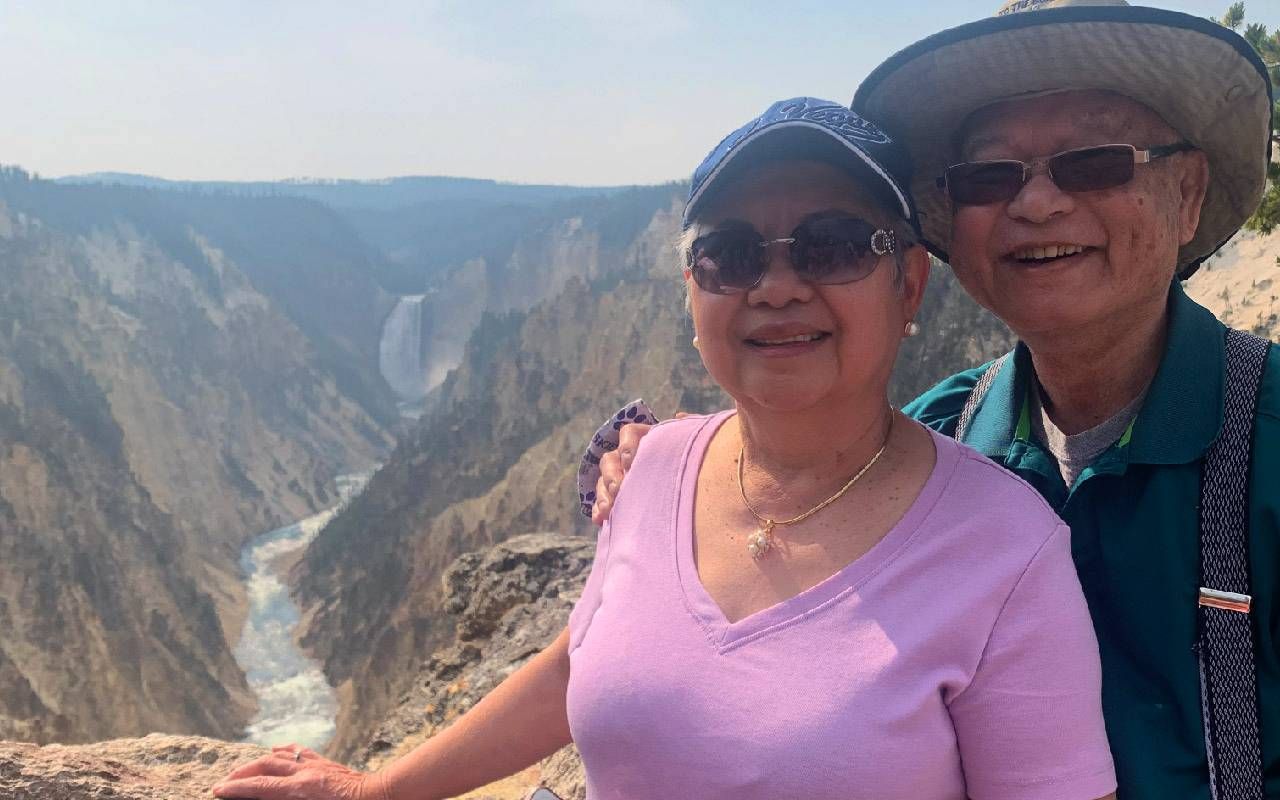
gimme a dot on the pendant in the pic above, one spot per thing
(761, 542)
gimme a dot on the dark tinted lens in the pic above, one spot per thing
(834, 250)
(727, 260)
(1092, 168)
(978, 183)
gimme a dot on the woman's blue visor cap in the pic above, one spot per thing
(814, 130)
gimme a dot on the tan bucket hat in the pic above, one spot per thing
(1202, 78)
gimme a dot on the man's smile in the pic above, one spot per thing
(1045, 254)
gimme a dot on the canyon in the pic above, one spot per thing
(145, 432)
(183, 370)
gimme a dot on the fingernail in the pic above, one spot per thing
(611, 485)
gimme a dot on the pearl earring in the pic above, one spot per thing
(695, 343)
(912, 328)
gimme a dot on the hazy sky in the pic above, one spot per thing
(554, 91)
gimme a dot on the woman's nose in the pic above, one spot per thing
(781, 284)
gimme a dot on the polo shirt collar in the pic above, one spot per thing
(1180, 418)
(1182, 414)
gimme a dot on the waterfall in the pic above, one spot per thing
(400, 350)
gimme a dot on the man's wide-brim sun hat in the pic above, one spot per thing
(806, 128)
(1204, 80)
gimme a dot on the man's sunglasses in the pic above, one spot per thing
(826, 250)
(1088, 169)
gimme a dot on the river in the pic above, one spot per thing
(296, 703)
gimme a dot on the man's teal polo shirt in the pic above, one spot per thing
(1135, 540)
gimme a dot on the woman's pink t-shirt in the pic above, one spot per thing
(954, 659)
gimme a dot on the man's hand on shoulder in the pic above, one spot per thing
(613, 469)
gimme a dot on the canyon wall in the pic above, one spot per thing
(157, 408)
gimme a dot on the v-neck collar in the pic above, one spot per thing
(725, 635)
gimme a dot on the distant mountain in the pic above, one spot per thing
(422, 224)
(384, 193)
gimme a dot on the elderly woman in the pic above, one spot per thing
(810, 595)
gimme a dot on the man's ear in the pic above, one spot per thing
(1192, 185)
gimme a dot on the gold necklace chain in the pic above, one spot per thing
(761, 541)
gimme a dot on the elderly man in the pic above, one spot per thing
(1074, 161)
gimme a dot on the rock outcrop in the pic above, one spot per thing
(506, 603)
(155, 767)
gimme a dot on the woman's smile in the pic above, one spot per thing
(780, 339)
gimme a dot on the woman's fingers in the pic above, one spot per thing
(293, 773)
(291, 750)
(258, 766)
(278, 764)
(256, 788)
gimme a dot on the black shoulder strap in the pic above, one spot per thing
(1228, 679)
(976, 394)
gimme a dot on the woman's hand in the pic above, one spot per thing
(296, 773)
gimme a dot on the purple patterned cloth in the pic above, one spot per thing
(605, 440)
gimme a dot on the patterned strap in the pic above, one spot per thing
(978, 392)
(1228, 681)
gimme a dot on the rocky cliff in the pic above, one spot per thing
(496, 453)
(157, 408)
(505, 605)
(155, 767)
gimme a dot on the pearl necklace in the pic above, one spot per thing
(761, 542)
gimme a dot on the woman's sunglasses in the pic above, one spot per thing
(825, 250)
(1088, 169)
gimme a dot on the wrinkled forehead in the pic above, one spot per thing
(1098, 115)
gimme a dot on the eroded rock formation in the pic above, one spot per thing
(506, 603)
(155, 767)
(156, 410)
